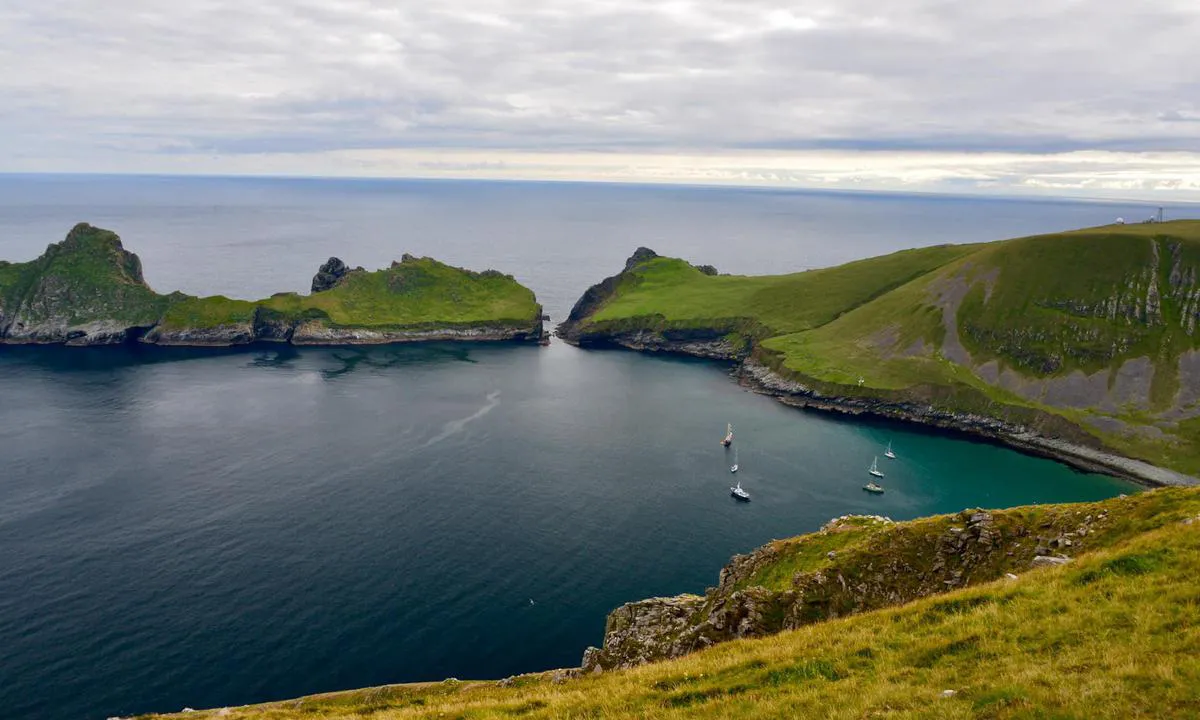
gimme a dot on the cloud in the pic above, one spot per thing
(218, 83)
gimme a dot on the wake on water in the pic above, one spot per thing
(456, 426)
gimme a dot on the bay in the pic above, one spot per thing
(204, 528)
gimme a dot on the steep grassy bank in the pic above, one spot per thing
(1086, 336)
(1115, 633)
(88, 290)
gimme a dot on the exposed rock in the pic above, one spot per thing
(639, 256)
(1049, 561)
(316, 332)
(329, 274)
(218, 336)
(1037, 441)
(596, 295)
(707, 269)
(885, 567)
(86, 290)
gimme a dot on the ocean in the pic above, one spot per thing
(200, 528)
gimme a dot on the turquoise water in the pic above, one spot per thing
(204, 528)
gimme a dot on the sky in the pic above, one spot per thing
(1083, 97)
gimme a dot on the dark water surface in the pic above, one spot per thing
(203, 528)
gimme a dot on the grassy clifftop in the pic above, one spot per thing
(1088, 335)
(89, 290)
(87, 278)
(414, 295)
(1115, 633)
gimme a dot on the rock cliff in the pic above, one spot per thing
(855, 564)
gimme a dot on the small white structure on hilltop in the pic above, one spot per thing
(1121, 221)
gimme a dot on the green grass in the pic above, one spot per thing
(1115, 634)
(808, 553)
(89, 277)
(680, 293)
(85, 278)
(208, 312)
(415, 293)
(1042, 307)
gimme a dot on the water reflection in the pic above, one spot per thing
(345, 359)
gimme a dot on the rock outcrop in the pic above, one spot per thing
(595, 296)
(876, 564)
(329, 274)
(85, 290)
(716, 343)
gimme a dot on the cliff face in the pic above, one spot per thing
(594, 297)
(716, 341)
(855, 564)
(88, 290)
(85, 290)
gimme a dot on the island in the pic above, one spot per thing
(1079, 345)
(1075, 610)
(89, 290)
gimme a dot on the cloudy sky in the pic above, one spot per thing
(1090, 97)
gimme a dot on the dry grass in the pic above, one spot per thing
(1115, 634)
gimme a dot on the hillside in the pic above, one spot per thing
(88, 285)
(1085, 338)
(1112, 633)
(89, 290)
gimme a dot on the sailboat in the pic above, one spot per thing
(888, 453)
(873, 487)
(728, 435)
(734, 467)
(874, 469)
(738, 493)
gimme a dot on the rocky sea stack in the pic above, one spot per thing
(89, 290)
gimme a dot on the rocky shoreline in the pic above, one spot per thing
(761, 379)
(312, 334)
(309, 334)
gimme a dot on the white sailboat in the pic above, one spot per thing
(728, 435)
(738, 493)
(888, 453)
(873, 487)
(734, 467)
(874, 469)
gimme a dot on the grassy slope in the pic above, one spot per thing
(1038, 318)
(1043, 307)
(682, 294)
(416, 293)
(88, 276)
(1115, 634)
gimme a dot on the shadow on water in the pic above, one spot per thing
(351, 359)
(344, 359)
